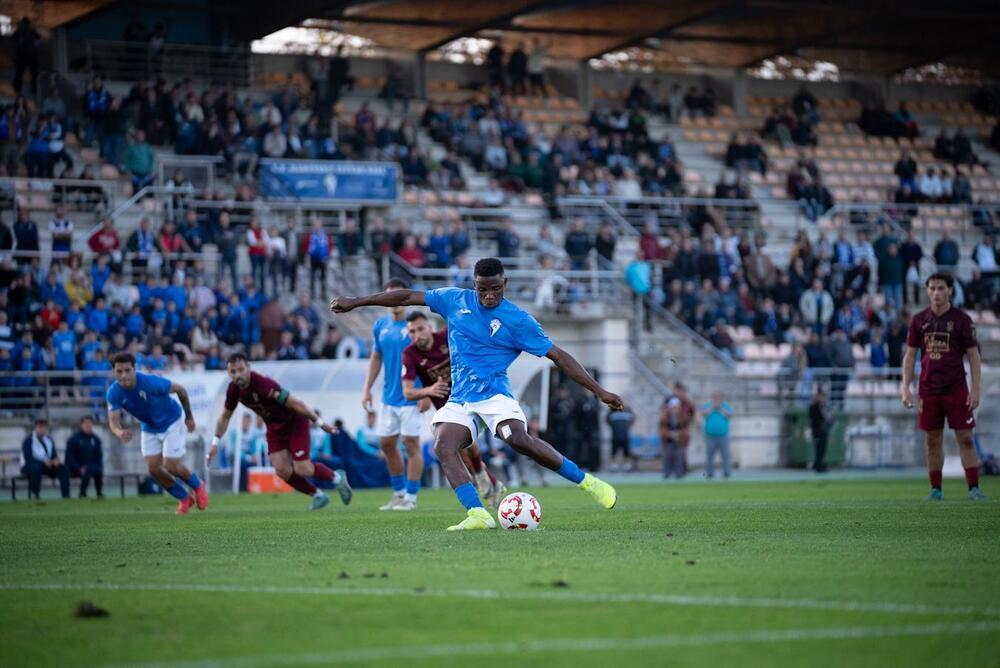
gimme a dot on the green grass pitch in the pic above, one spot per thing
(815, 573)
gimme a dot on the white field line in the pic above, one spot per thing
(381, 654)
(564, 596)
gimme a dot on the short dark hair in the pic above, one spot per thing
(395, 283)
(40, 420)
(488, 267)
(123, 358)
(415, 315)
(947, 279)
(236, 357)
(86, 418)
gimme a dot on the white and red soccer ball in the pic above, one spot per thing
(519, 510)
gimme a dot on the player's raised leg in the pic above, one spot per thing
(513, 431)
(170, 484)
(309, 469)
(935, 462)
(174, 449)
(451, 439)
(970, 462)
(281, 460)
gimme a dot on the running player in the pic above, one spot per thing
(486, 333)
(946, 335)
(427, 358)
(287, 419)
(147, 398)
(397, 415)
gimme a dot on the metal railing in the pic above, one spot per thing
(960, 220)
(74, 195)
(172, 204)
(131, 61)
(134, 266)
(666, 212)
(52, 394)
(199, 169)
(548, 289)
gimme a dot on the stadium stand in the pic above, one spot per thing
(731, 208)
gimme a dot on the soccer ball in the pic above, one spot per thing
(519, 510)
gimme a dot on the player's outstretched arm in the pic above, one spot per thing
(568, 365)
(388, 299)
(182, 396)
(299, 406)
(115, 425)
(221, 425)
(976, 371)
(440, 389)
(909, 362)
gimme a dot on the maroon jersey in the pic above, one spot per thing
(429, 365)
(264, 397)
(944, 339)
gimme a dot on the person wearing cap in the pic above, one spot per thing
(38, 457)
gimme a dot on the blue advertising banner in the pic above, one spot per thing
(375, 182)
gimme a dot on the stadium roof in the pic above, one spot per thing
(882, 36)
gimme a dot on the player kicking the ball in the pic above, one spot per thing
(147, 399)
(287, 420)
(946, 335)
(486, 333)
(427, 358)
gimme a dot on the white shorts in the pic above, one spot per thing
(396, 420)
(477, 415)
(171, 443)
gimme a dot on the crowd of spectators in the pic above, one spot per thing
(612, 154)
(716, 280)
(878, 121)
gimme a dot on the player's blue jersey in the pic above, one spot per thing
(484, 342)
(391, 338)
(149, 402)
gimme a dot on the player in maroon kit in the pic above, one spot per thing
(946, 335)
(428, 359)
(287, 420)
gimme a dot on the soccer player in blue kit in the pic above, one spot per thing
(486, 333)
(397, 415)
(147, 398)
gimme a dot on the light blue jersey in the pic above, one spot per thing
(149, 402)
(484, 342)
(391, 338)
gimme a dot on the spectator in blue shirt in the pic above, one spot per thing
(154, 361)
(135, 324)
(98, 317)
(176, 292)
(89, 347)
(717, 415)
(100, 272)
(172, 320)
(64, 347)
(54, 290)
(439, 245)
(878, 355)
(97, 379)
(158, 314)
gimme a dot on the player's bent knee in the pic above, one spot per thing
(304, 468)
(284, 472)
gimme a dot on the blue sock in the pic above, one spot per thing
(193, 482)
(178, 491)
(468, 496)
(569, 470)
(412, 486)
(398, 483)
